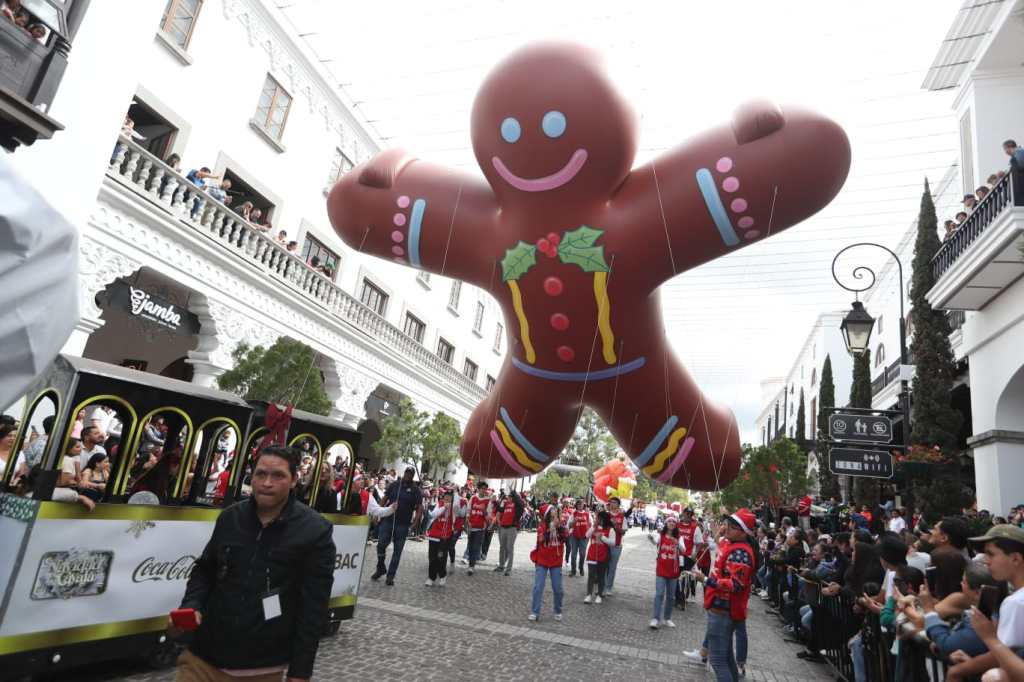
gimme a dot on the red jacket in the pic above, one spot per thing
(364, 498)
(442, 527)
(597, 551)
(478, 511)
(668, 556)
(619, 524)
(550, 554)
(507, 515)
(688, 531)
(580, 524)
(728, 586)
(803, 507)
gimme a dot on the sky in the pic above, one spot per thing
(411, 70)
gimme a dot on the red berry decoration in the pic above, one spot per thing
(554, 239)
(543, 245)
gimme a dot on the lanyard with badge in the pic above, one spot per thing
(271, 600)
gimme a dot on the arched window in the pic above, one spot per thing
(814, 377)
(880, 355)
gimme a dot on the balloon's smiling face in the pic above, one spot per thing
(548, 124)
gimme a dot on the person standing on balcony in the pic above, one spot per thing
(970, 202)
(1016, 155)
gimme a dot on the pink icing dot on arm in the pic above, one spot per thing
(745, 222)
(403, 201)
(399, 219)
(731, 184)
(738, 205)
(397, 236)
(724, 165)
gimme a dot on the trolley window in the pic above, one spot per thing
(156, 464)
(25, 447)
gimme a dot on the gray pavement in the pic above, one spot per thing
(476, 626)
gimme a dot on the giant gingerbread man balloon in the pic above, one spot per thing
(574, 243)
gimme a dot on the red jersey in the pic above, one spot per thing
(442, 527)
(803, 507)
(478, 512)
(507, 517)
(550, 553)
(688, 531)
(597, 551)
(364, 499)
(668, 556)
(728, 586)
(619, 524)
(460, 521)
(580, 524)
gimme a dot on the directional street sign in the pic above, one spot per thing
(860, 462)
(859, 428)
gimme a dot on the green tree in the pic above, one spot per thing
(650, 490)
(401, 434)
(286, 372)
(592, 445)
(827, 481)
(440, 443)
(801, 424)
(777, 471)
(575, 484)
(935, 422)
(860, 387)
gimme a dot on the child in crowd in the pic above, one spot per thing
(670, 548)
(601, 539)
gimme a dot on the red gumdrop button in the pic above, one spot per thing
(565, 354)
(544, 245)
(560, 322)
(552, 286)
(554, 239)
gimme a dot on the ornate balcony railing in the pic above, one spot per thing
(1009, 191)
(956, 319)
(891, 374)
(153, 180)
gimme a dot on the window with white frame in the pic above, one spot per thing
(491, 381)
(478, 321)
(414, 327)
(272, 110)
(445, 350)
(499, 334)
(340, 164)
(373, 297)
(880, 355)
(179, 21)
(470, 369)
(453, 295)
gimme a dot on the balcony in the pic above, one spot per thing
(889, 375)
(983, 256)
(153, 181)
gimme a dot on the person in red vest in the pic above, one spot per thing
(479, 511)
(803, 512)
(440, 528)
(726, 592)
(597, 556)
(548, 556)
(509, 513)
(671, 546)
(579, 524)
(619, 525)
(461, 511)
(689, 531)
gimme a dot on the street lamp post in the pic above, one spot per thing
(857, 326)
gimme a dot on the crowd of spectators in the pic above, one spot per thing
(950, 589)
(12, 11)
(972, 201)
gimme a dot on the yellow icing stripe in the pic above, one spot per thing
(603, 317)
(514, 447)
(524, 326)
(662, 457)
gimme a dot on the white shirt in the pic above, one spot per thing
(897, 524)
(83, 458)
(887, 583)
(1011, 620)
(919, 560)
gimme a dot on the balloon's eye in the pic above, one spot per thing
(510, 130)
(553, 123)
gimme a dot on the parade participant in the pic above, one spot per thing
(439, 533)
(492, 525)
(689, 531)
(395, 528)
(479, 509)
(260, 589)
(601, 540)
(548, 556)
(510, 511)
(803, 512)
(619, 525)
(671, 546)
(726, 592)
(461, 511)
(579, 524)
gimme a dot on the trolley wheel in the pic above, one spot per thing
(164, 655)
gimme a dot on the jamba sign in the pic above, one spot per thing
(574, 243)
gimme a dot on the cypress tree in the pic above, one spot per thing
(934, 420)
(801, 424)
(860, 387)
(827, 481)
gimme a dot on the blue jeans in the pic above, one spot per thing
(741, 642)
(664, 595)
(577, 548)
(806, 617)
(860, 670)
(389, 532)
(539, 578)
(720, 653)
(476, 541)
(614, 552)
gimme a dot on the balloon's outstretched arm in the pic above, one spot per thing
(765, 171)
(418, 214)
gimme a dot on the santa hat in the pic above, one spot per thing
(745, 519)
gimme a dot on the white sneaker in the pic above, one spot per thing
(654, 623)
(428, 583)
(670, 624)
(441, 582)
(586, 600)
(532, 616)
(693, 656)
(597, 599)
(558, 617)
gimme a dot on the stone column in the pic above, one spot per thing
(998, 469)
(221, 329)
(98, 266)
(348, 390)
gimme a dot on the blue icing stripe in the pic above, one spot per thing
(656, 442)
(418, 208)
(706, 183)
(580, 376)
(518, 435)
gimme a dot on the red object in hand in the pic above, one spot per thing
(184, 619)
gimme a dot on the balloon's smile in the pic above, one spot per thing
(553, 181)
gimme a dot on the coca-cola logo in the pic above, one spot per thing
(151, 569)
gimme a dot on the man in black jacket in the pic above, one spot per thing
(261, 587)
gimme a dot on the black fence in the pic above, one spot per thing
(835, 622)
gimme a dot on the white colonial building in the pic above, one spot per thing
(979, 269)
(224, 84)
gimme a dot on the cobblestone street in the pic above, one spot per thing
(476, 626)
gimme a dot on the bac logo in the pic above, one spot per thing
(343, 561)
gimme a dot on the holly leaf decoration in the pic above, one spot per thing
(518, 260)
(577, 248)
